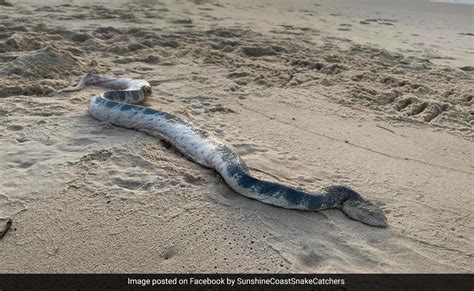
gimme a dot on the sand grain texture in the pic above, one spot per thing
(303, 101)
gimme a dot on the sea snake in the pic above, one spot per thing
(118, 107)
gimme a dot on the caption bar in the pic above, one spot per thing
(233, 281)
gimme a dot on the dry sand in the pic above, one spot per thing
(376, 95)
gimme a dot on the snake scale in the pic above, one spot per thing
(117, 107)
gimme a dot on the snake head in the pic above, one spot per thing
(364, 211)
(147, 90)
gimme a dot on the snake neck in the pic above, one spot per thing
(239, 179)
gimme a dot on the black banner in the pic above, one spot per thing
(457, 282)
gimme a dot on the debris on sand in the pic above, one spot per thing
(5, 225)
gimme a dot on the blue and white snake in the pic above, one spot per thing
(118, 107)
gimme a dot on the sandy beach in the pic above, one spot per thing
(376, 95)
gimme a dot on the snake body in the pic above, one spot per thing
(117, 107)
